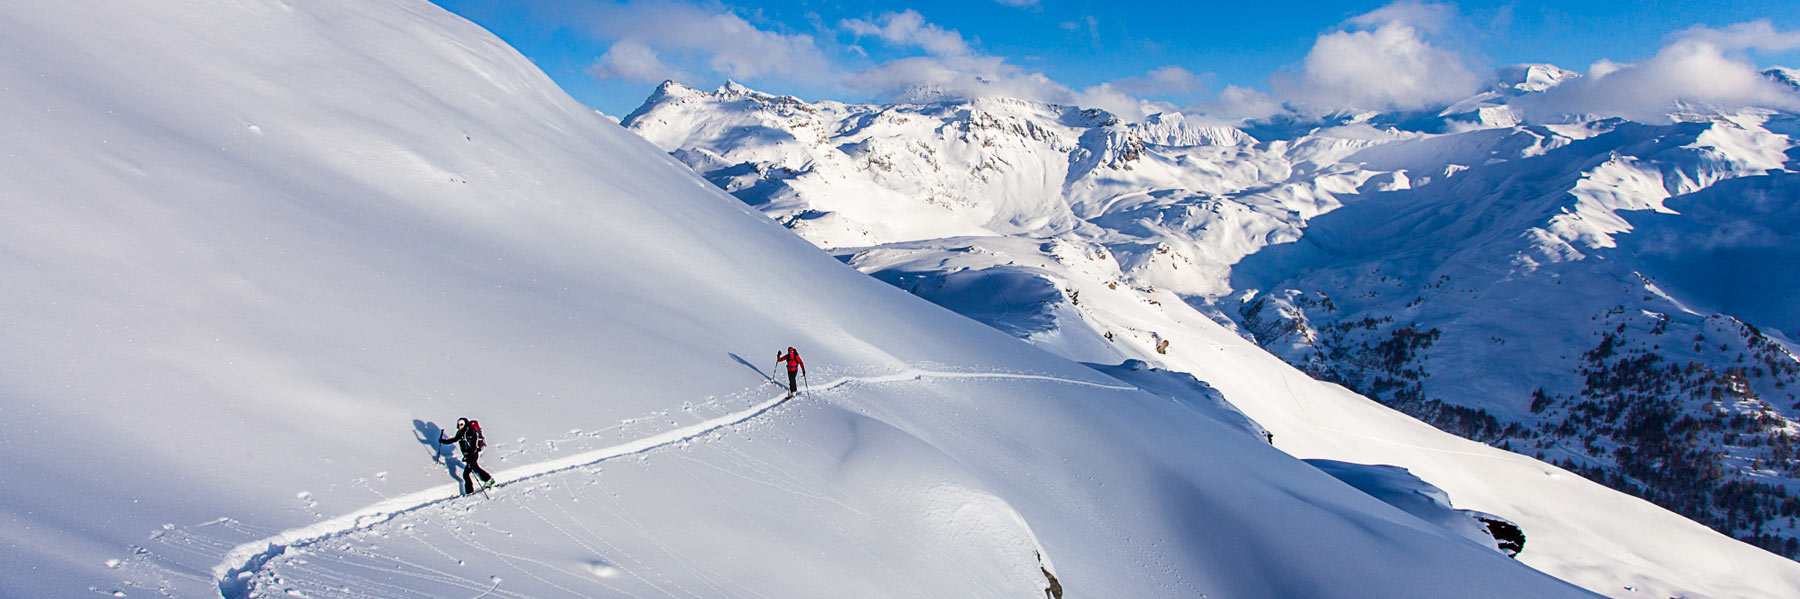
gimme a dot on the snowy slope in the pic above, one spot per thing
(1577, 529)
(1169, 250)
(259, 253)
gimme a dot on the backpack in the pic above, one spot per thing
(475, 437)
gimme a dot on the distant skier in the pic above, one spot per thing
(794, 366)
(468, 436)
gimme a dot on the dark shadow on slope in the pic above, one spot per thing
(1242, 559)
(752, 367)
(1727, 249)
(428, 434)
(1185, 390)
(1017, 300)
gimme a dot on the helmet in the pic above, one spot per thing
(462, 422)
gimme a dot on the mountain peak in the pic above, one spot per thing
(733, 89)
(670, 92)
(1177, 129)
(1785, 76)
(1533, 77)
(673, 89)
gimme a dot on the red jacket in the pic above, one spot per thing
(792, 358)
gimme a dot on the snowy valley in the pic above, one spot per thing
(259, 255)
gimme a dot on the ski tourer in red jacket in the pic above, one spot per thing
(794, 365)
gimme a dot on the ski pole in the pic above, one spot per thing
(807, 381)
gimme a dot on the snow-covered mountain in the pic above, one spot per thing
(1622, 305)
(1785, 76)
(1459, 264)
(258, 253)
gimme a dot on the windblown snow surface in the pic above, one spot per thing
(258, 254)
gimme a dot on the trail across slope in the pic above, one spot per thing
(233, 573)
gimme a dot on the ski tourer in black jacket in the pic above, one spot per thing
(469, 439)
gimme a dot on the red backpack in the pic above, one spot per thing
(475, 435)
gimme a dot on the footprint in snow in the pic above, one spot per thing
(601, 569)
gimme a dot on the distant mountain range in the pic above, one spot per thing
(1617, 297)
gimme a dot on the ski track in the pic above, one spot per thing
(232, 573)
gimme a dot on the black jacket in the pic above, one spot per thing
(463, 438)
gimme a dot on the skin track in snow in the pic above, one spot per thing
(644, 531)
(243, 560)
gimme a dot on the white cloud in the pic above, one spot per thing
(633, 61)
(1752, 35)
(1165, 81)
(908, 28)
(933, 78)
(1121, 104)
(937, 78)
(1604, 67)
(1237, 103)
(928, 79)
(725, 42)
(1125, 97)
(1086, 24)
(957, 71)
(1696, 71)
(1502, 21)
(1395, 57)
(1110, 99)
(1383, 62)
(1399, 57)
(1432, 18)
(655, 39)
(954, 70)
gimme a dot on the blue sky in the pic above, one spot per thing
(1227, 58)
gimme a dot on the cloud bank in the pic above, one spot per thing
(1382, 60)
(631, 60)
(1402, 56)
(909, 28)
(1699, 69)
(725, 42)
